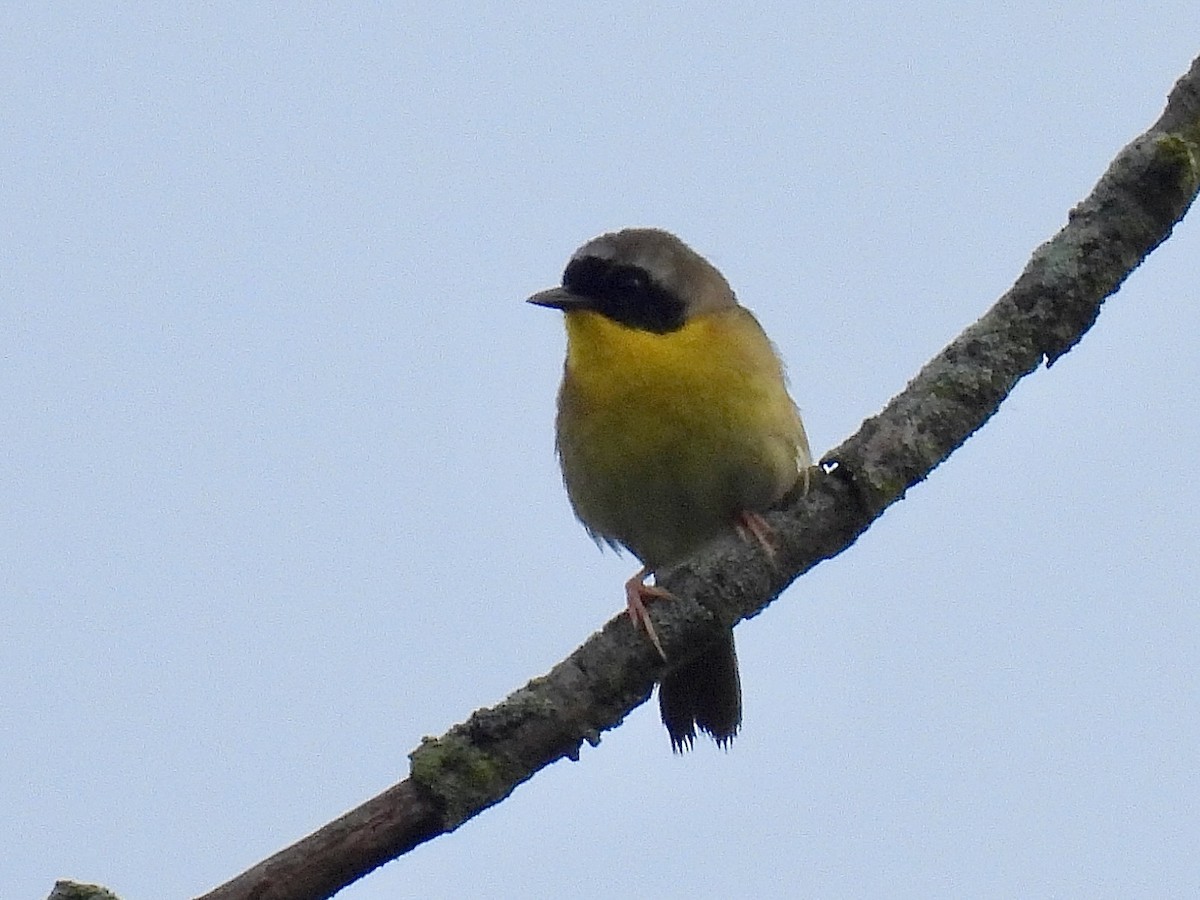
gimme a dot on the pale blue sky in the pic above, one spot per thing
(279, 495)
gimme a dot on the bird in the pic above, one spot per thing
(674, 427)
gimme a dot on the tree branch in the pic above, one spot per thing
(1132, 209)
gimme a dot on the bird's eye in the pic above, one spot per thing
(631, 280)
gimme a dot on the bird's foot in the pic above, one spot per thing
(750, 526)
(637, 595)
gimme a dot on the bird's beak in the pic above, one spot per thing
(558, 298)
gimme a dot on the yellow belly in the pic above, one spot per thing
(665, 439)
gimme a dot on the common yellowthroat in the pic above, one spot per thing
(674, 426)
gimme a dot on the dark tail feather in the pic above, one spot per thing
(705, 693)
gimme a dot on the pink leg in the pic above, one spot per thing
(637, 594)
(752, 526)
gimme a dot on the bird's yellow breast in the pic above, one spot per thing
(666, 438)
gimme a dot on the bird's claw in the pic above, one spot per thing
(637, 594)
